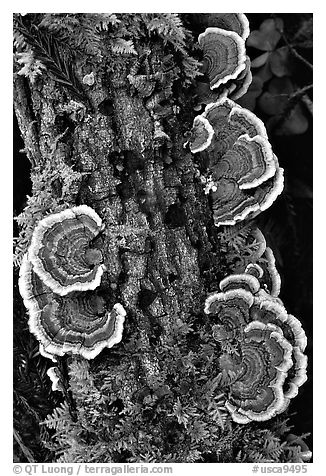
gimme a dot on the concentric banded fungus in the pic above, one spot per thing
(241, 83)
(224, 55)
(271, 189)
(77, 323)
(231, 310)
(256, 394)
(269, 309)
(237, 22)
(270, 342)
(61, 252)
(236, 281)
(233, 89)
(225, 62)
(250, 161)
(239, 162)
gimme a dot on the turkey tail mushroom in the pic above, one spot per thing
(239, 163)
(269, 365)
(61, 252)
(78, 323)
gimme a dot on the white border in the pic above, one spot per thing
(319, 9)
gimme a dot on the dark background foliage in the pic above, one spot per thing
(287, 226)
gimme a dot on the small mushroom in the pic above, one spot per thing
(255, 270)
(89, 79)
(55, 376)
(202, 134)
(77, 323)
(61, 251)
(271, 277)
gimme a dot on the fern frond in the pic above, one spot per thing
(169, 27)
(217, 413)
(53, 54)
(179, 412)
(123, 47)
(236, 236)
(19, 41)
(31, 67)
(254, 456)
(191, 68)
(59, 418)
(81, 31)
(105, 20)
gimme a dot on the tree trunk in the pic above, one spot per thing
(159, 242)
(156, 242)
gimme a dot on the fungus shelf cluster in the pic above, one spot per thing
(267, 364)
(57, 279)
(236, 161)
(226, 67)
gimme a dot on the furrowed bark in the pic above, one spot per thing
(159, 240)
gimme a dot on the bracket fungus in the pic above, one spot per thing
(237, 22)
(224, 55)
(78, 323)
(240, 85)
(256, 394)
(238, 161)
(225, 62)
(269, 364)
(233, 89)
(61, 251)
(271, 277)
